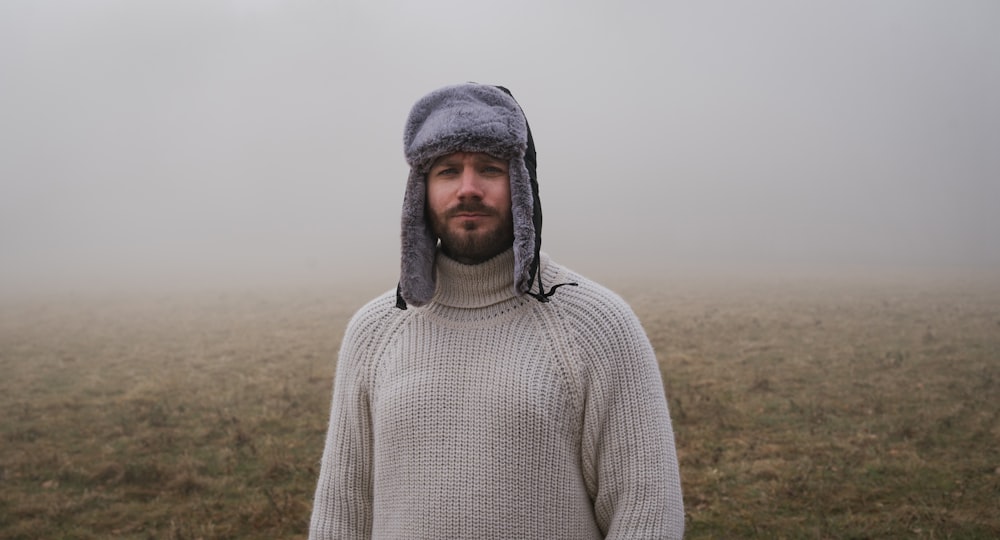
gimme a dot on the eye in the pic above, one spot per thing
(493, 170)
(445, 171)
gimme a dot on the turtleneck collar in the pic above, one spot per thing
(474, 285)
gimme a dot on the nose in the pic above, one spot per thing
(470, 184)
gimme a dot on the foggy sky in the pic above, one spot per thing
(217, 142)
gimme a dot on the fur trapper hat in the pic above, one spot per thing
(470, 118)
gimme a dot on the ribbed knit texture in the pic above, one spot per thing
(488, 415)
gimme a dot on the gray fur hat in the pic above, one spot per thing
(471, 118)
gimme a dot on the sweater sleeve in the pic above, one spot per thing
(629, 458)
(342, 506)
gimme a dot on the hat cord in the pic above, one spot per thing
(541, 295)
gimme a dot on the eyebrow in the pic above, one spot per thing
(451, 161)
(441, 162)
(492, 159)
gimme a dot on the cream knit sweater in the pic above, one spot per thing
(489, 415)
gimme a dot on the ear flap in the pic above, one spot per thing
(524, 194)
(522, 206)
(419, 246)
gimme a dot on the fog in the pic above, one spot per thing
(211, 143)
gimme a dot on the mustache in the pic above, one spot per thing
(471, 207)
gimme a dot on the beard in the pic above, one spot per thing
(472, 242)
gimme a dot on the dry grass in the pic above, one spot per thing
(823, 410)
(850, 411)
(174, 418)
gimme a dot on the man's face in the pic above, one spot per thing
(468, 203)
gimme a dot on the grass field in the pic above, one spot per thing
(811, 409)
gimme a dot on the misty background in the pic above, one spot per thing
(212, 143)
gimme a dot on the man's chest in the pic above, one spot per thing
(497, 383)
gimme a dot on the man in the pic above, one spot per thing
(473, 402)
